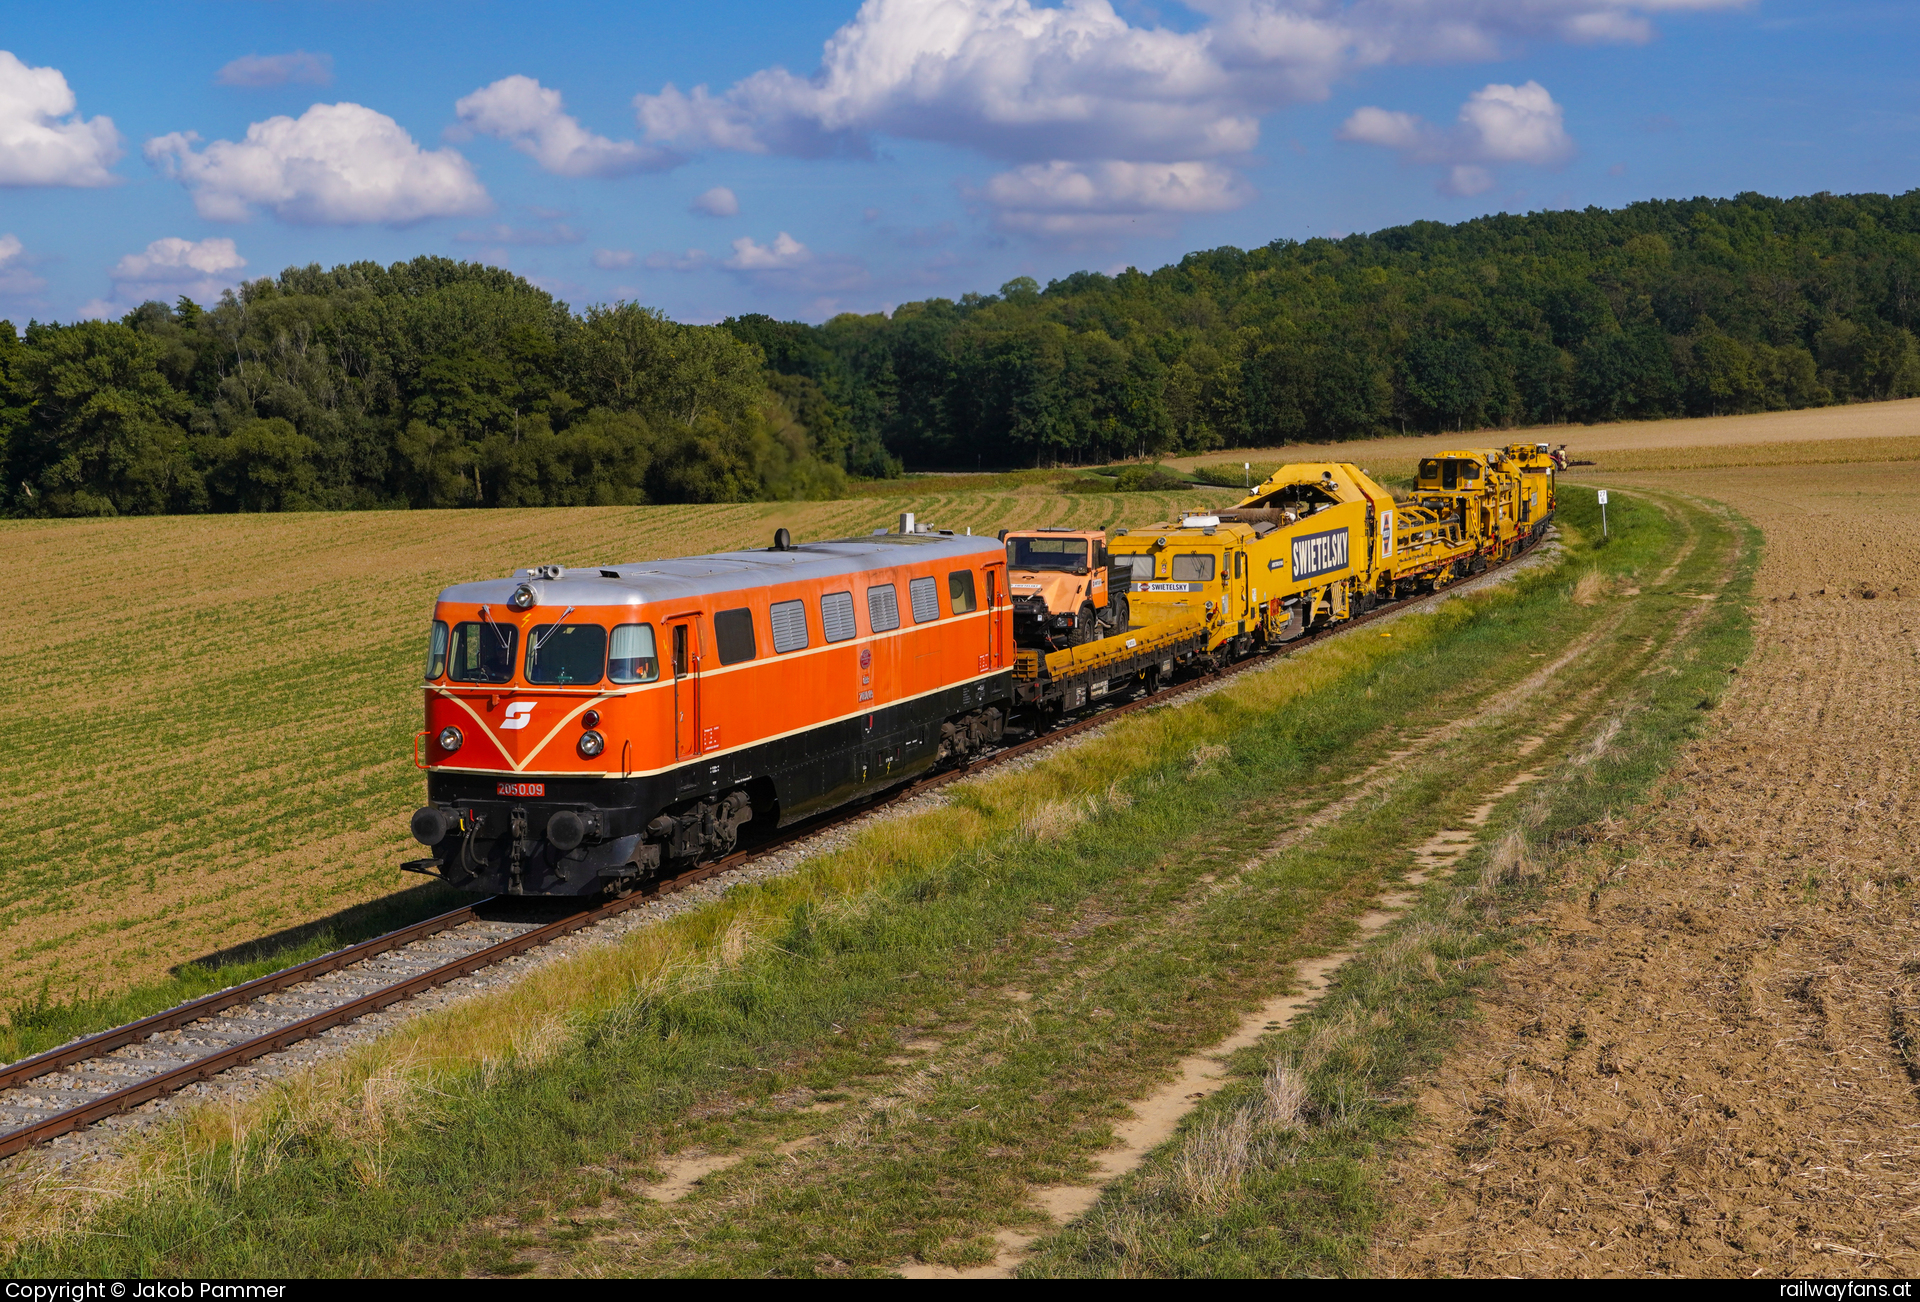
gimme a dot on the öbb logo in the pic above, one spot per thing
(519, 715)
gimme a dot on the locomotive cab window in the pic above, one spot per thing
(1193, 567)
(883, 608)
(437, 650)
(632, 658)
(482, 652)
(789, 620)
(960, 591)
(733, 635)
(566, 654)
(924, 596)
(836, 616)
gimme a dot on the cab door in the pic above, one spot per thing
(996, 655)
(684, 653)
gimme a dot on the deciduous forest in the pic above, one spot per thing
(436, 383)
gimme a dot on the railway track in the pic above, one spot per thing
(100, 1076)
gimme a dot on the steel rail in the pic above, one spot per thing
(168, 1082)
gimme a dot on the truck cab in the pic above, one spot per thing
(1066, 589)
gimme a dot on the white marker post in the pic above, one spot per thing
(1603, 513)
(1248, 467)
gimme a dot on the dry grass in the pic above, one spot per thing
(1705, 1064)
(212, 715)
(1890, 423)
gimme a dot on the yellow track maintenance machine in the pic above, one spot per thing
(1314, 545)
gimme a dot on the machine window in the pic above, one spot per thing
(632, 658)
(1429, 470)
(924, 596)
(482, 652)
(1047, 554)
(1193, 567)
(789, 620)
(1450, 474)
(960, 591)
(1139, 566)
(883, 608)
(566, 654)
(836, 616)
(733, 635)
(437, 650)
(1239, 565)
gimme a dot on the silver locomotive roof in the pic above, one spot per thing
(646, 582)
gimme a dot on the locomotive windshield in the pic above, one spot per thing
(566, 654)
(482, 652)
(1047, 554)
(633, 659)
(437, 650)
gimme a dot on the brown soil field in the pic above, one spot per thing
(209, 717)
(1879, 428)
(1707, 1061)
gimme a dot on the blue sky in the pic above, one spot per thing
(819, 156)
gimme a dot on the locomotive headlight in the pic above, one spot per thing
(450, 739)
(591, 744)
(522, 598)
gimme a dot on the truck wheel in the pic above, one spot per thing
(1121, 613)
(1085, 625)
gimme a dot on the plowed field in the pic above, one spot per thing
(1707, 1062)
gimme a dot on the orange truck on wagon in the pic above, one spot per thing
(1066, 589)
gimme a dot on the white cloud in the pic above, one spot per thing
(533, 120)
(785, 251)
(787, 264)
(1080, 84)
(335, 164)
(691, 260)
(256, 71)
(717, 202)
(172, 259)
(168, 268)
(43, 141)
(1073, 200)
(612, 259)
(16, 278)
(1498, 124)
(500, 233)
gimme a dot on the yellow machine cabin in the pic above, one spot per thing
(1296, 553)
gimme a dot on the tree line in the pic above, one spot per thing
(428, 383)
(1668, 308)
(435, 383)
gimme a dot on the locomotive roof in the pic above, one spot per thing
(681, 578)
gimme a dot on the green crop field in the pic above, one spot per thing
(210, 716)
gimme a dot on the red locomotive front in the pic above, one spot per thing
(586, 727)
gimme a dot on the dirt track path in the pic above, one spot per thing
(1707, 1063)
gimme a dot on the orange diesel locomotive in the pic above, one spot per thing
(586, 727)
